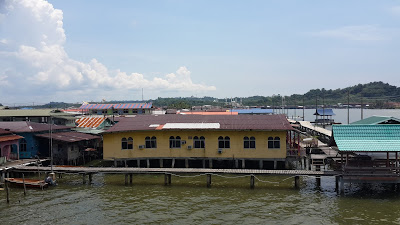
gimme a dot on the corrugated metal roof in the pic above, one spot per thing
(253, 111)
(10, 138)
(209, 113)
(118, 106)
(69, 136)
(324, 112)
(367, 138)
(191, 126)
(26, 126)
(377, 120)
(239, 122)
(90, 122)
(31, 112)
(3, 132)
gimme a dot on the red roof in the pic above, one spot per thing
(10, 138)
(3, 132)
(238, 122)
(69, 136)
(26, 126)
(90, 122)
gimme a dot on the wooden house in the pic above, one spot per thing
(241, 141)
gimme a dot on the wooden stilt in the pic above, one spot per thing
(165, 179)
(341, 188)
(208, 180)
(252, 181)
(90, 178)
(84, 178)
(187, 163)
(318, 179)
(169, 179)
(296, 182)
(23, 181)
(337, 184)
(7, 191)
(130, 178)
(126, 179)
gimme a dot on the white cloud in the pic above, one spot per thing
(34, 63)
(356, 33)
(395, 9)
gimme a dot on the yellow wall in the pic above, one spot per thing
(112, 145)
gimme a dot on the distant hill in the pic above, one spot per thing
(375, 94)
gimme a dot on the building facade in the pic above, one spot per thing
(234, 139)
(117, 109)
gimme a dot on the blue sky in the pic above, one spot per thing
(91, 50)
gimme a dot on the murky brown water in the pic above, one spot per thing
(188, 201)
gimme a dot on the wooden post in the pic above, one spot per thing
(90, 178)
(165, 179)
(341, 185)
(7, 191)
(126, 179)
(23, 181)
(173, 163)
(161, 163)
(169, 179)
(84, 178)
(252, 181)
(297, 182)
(208, 180)
(59, 176)
(187, 163)
(318, 168)
(130, 178)
(337, 183)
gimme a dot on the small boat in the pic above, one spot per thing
(31, 183)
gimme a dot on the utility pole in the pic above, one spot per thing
(362, 113)
(348, 106)
(316, 110)
(303, 107)
(323, 110)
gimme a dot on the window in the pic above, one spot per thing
(199, 142)
(22, 145)
(249, 142)
(224, 142)
(104, 111)
(143, 111)
(151, 142)
(134, 111)
(174, 142)
(126, 111)
(127, 143)
(274, 142)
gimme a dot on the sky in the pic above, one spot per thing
(74, 51)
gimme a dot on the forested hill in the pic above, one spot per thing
(376, 94)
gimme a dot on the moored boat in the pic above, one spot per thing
(31, 183)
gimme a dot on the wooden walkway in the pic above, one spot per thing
(129, 170)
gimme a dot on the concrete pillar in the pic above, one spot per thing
(275, 164)
(243, 164)
(297, 182)
(126, 164)
(252, 182)
(186, 163)
(161, 163)
(210, 163)
(138, 163)
(208, 180)
(115, 163)
(302, 163)
(173, 163)
(165, 179)
(3, 175)
(148, 163)
(337, 184)
(126, 179)
(236, 163)
(261, 164)
(84, 178)
(90, 178)
(341, 188)
(204, 163)
(130, 178)
(318, 179)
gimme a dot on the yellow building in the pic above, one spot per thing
(233, 141)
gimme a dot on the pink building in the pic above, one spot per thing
(9, 146)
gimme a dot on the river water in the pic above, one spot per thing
(188, 201)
